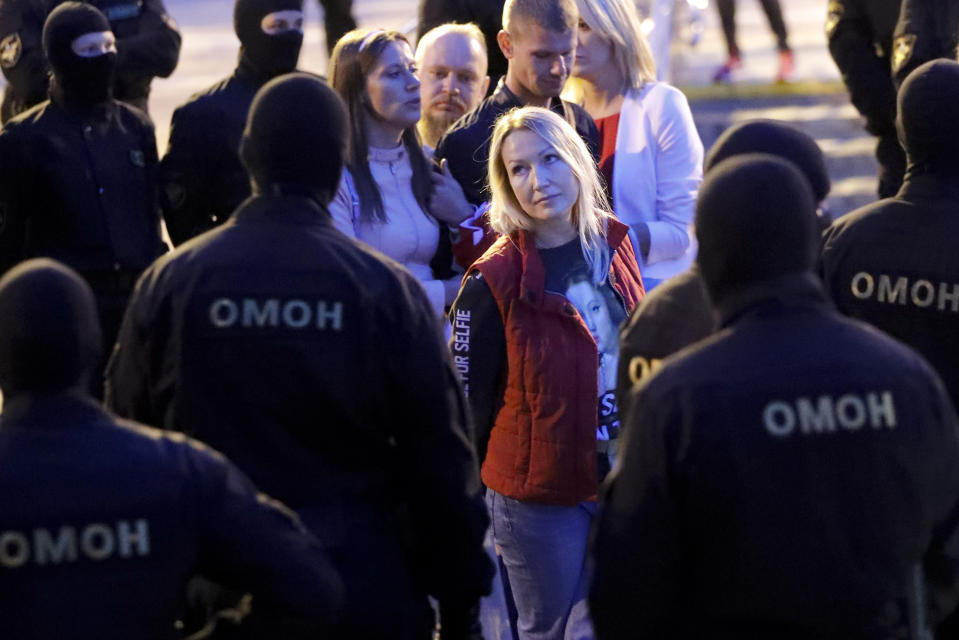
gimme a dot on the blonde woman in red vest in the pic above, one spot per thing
(531, 341)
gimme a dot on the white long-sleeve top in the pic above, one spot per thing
(657, 170)
(409, 235)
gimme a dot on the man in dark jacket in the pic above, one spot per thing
(104, 520)
(77, 173)
(538, 39)
(201, 178)
(860, 41)
(318, 366)
(678, 313)
(794, 476)
(927, 29)
(148, 46)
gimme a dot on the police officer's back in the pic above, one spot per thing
(796, 475)
(201, 178)
(102, 521)
(77, 172)
(318, 366)
(893, 263)
(148, 46)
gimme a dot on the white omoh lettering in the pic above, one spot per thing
(900, 290)
(252, 313)
(96, 541)
(827, 413)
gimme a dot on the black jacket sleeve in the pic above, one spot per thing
(21, 59)
(927, 29)
(478, 345)
(254, 544)
(438, 463)
(13, 214)
(187, 174)
(636, 539)
(866, 73)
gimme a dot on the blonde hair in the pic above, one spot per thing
(617, 22)
(589, 213)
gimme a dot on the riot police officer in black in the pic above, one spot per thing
(77, 173)
(148, 46)
(104, 520)
(201, 178)
(794, 476)
(319, 367)
(860, 42)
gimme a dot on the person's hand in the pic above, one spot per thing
(447, 202)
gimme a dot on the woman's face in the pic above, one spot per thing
(543, 183)
(393, 88)
(588, 300)
(594, 53)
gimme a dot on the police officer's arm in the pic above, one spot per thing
(439, 473)
(21, 56)
(433, 13)
(478, 347)
(187, 174)
(865, 74)
(915, 40)
(139, 377)
(636, 539)
(941, 563)
(154, 49)
(254, 544)
(14, 184)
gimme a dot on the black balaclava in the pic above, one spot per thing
(50, 336)
(926, 122)
(267, 56)
(82, 80)
(295, 137)
(777, 139)
(755, 221)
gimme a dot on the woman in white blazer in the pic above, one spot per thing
(651, 154)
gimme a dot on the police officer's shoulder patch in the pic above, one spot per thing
(902, 48)
(833, 15)
(11, 49)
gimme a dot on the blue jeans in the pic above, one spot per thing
(544, 550)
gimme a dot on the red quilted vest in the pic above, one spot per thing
(542, 447)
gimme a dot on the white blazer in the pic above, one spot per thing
(656, 175)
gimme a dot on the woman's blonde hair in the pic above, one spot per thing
(617, 22)
(589, 213)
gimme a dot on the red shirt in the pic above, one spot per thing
(608, 127)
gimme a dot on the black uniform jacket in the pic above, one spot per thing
(319, 367)
(894, 265)
(860, 41)
(672, 316)
(148, 45)
(202, 180)
(795, 475)
(103, 521)
(79, 186)
(927, 29)
(466, 145)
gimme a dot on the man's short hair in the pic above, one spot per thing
(553, 15)
(469, 30)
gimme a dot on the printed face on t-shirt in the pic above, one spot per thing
(592, 308)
